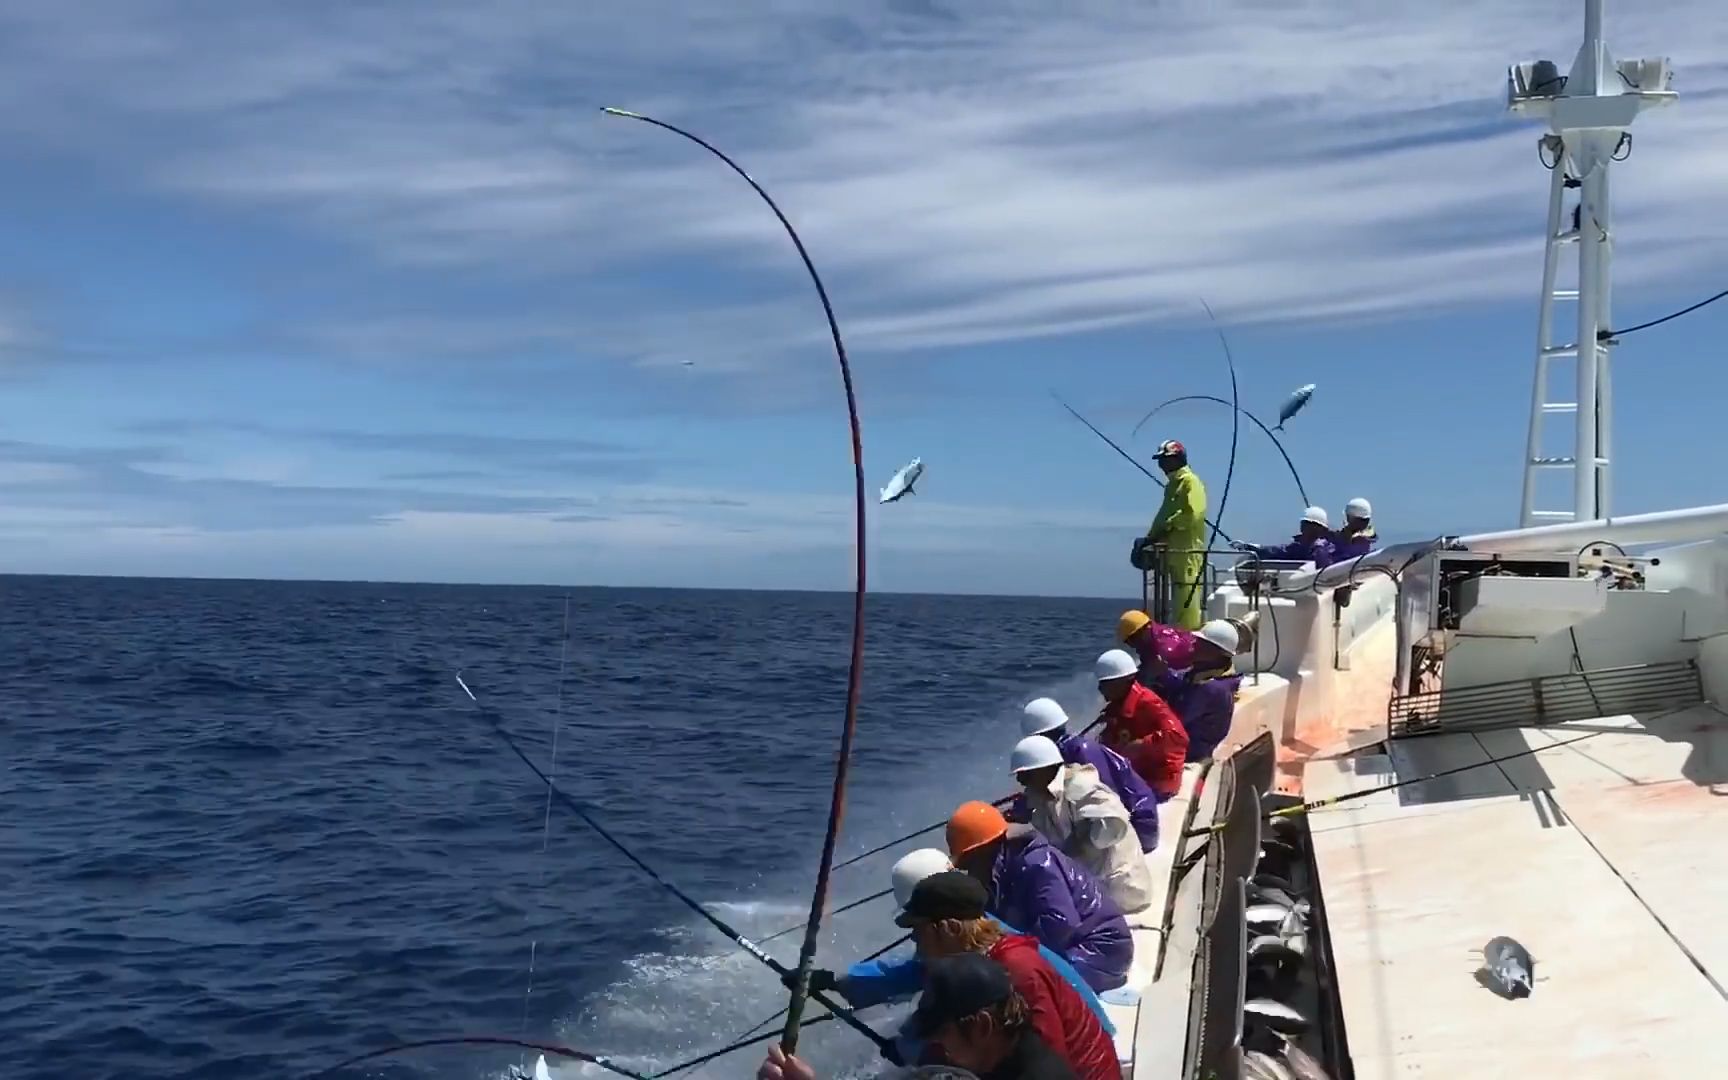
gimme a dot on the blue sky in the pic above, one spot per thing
(372, 290)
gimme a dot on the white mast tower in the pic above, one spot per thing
(1588, 111)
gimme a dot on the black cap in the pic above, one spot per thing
(952, 894)
(957, 986)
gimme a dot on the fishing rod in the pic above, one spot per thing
(1294, 475)
(749, 1039)
(897, 942)
(1235, 433)
(575, 807)
(842, 909)
(837, 804)
(1131, 459)
(1003, 801)
(1334, 800)
(553, 1049)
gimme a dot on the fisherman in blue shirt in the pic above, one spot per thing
(1312, 543)
(874, 982)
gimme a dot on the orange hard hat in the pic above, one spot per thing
(974, 825)
(1131, 623)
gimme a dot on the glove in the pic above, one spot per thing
(822, 980)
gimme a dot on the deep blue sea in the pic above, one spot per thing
(248, 829)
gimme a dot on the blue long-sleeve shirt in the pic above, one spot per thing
(872, 982)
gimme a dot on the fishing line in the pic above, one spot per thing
(1130, 458)
(483, 1040)
(1334, 800)
(1270, 434)
(546, 817)
(843, 908)
(575, 807)
(837, 804)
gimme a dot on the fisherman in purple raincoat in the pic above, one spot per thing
(1037, 888)
(1045, 717)
(1204, 696)
(1312, 543)
(1357, 537)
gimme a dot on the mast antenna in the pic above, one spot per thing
(1588, 111)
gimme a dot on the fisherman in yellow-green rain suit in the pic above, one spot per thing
(1180, 528)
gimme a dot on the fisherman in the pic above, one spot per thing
(1140, 725)
(1204, 696)
(1150, 640)
(1043, 716)
(946, 914)
(971, 1009)
(1032, 885)
(1077, 811)
(1357, 536)
(1180, 529)
(1312, 542)
(874, 982)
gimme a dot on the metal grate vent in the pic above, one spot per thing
(1547, 699)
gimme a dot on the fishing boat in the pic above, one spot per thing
(1514, 735)
(1471, 818)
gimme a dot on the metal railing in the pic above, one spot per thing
(1546, 699)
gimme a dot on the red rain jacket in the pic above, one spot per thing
(1059, 1015)
(1143, 728)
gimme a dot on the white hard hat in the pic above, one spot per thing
(1222, 634)
(914, 867)
(1317, 514)
(1042, 715)
(1358, 510)
(1115, 664)
(1034, 752)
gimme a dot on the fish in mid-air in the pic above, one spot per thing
(903, 480)
(1511, 965)
(1293, 405)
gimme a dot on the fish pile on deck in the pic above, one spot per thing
(1278, 953)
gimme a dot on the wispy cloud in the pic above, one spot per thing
(518, 453)
(967, 174)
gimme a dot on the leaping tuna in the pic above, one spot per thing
(1511, 965)
(903, 480)
(1293, 405)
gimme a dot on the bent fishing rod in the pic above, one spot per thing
(1334, 800)
(1235, 433)
(837, 803)
(1218, 530)
(1277, 442)
(582, 812)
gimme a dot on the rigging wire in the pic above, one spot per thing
(837, 804)
(553, 1049)
(1607, 335)
(1270, 434)
(581, 811)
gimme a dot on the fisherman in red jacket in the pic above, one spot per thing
(1140, 725)
(946, 916)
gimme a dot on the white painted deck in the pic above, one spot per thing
(1603, 857)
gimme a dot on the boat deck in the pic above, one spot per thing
(1602, 854)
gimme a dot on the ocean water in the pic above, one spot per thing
(250, 829)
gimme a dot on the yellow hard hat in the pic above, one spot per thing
(1131, 623)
